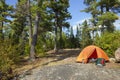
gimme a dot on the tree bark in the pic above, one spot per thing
(1, 31)
(107, 8)
(102, 28)
(60, 37)
(29, 23)
(55, 38)
(56, 25)
(34, 37)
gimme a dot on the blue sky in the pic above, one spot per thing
(11, 2)
(74, 9)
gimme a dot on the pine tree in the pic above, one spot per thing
(86, 37)
(72, 38)
(19, 23)
(29, 20)
(42, 24)
(5, 11)
(35, 30)
(59, 13)
(78, 36)
(100, 9)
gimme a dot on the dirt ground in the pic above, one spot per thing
(62, 66)
(62, 57)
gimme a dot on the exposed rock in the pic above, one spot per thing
(117, 55)
(112, 60)
(64, 67)
(73, 71)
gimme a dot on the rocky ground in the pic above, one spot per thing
(64, 67)
(74, 71)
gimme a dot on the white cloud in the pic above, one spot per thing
(79, 22)
(117, 24)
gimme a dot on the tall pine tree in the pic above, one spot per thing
(59, 12)
(5, 12)
(86, 37)
(103, 12)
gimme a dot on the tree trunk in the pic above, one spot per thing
(34, 38)
(29, 23)
(1, 31)
(101, 7)
(61, 44)
(55, 38)
(102, 28)
(56, 25)
(107, 8)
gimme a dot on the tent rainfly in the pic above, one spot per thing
(91, 52)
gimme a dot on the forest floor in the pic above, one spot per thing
(62, 66)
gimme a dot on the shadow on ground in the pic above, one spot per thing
(26, 67)
(62, 54)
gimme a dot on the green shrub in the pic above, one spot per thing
(9, 55)
(27, 50)
(109, 42)
(40, 48)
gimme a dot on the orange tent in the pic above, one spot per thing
(91, 52)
